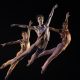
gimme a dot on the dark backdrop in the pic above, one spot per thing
(64, 67)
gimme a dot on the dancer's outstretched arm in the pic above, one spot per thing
(11, 43)
(51, 15)
(18, 25)
(25, 26)
(67, 16)
(65, 23)
(55, 30)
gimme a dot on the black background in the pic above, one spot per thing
(64, 67)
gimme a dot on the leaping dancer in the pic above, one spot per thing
(25, 45)
(43, 33)
(54, 52)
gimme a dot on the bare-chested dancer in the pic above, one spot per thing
(25, 45)
(66, 39)
(42, 41)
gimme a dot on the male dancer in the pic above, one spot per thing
(43, 33)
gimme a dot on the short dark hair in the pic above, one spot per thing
(40, 16)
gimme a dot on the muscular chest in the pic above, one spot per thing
(41, 29)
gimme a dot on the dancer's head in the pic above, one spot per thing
(65, 25)
(24, 35)
(40, 19)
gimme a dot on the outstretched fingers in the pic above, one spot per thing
(67, 15)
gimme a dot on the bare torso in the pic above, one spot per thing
(66, 38)
(25, 45)
(46, 36)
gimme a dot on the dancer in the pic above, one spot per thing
(25, 45)
(66, 39)
(43, 33)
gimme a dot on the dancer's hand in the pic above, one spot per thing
(30, 23)
(3, 45)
